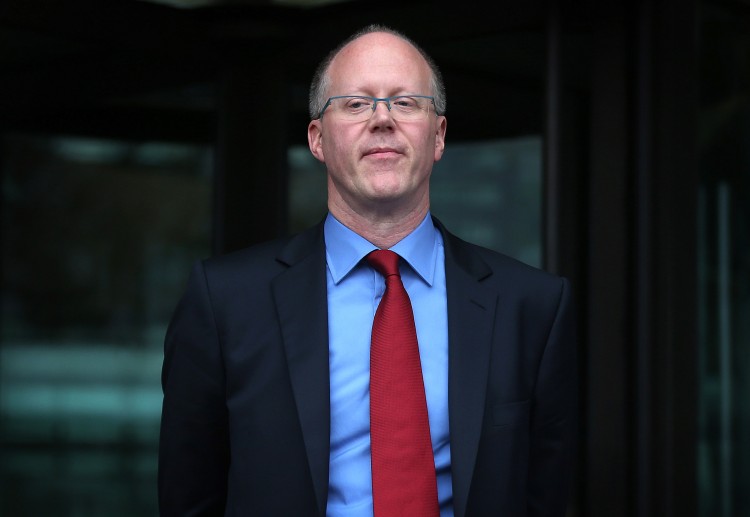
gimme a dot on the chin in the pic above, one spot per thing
(387, 192)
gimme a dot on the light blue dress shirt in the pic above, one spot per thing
(354, 292)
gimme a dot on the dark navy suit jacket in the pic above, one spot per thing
(245, 423)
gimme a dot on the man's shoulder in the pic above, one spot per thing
(488, 265)
(270, 256)
(502, 262)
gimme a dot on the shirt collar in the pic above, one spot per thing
(345, 248)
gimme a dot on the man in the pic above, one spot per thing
(267, 374)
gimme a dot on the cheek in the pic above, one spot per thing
(338, 149)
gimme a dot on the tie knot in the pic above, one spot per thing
(385, 262)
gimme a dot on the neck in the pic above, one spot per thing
(383, 228)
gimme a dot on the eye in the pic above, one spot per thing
(357, 104)
(405, 103)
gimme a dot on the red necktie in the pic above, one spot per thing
(403, 465)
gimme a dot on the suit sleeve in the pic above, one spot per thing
(193, 446)
(554, 416)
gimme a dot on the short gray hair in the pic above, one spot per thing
(321, 79)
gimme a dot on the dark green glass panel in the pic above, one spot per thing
(97, 239)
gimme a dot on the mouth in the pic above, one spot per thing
(382, 152)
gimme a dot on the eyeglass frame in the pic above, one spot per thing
(375, 101)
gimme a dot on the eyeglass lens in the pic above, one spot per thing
(362, 108)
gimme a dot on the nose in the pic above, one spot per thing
(385, 102)
(381, 117)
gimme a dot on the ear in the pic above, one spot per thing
(315, 139)
(440, 126)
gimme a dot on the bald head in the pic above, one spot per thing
(374, 35)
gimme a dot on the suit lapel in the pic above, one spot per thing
(300, 294)
(471, 315)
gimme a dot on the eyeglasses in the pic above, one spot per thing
(359, 108)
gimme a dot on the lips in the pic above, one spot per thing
(383, 151)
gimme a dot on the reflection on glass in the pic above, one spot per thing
(488, 193)
(97, 238)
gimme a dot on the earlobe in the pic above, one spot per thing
(440, 138)
(315, 140)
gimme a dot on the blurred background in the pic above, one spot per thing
(605, 141)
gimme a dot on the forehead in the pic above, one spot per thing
(376, 62)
